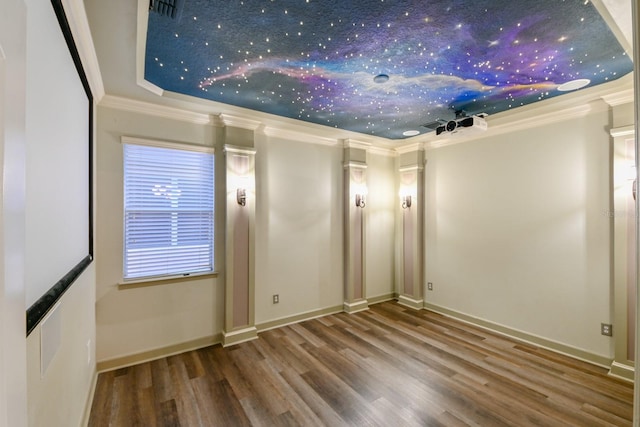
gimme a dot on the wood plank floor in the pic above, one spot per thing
(387, 366)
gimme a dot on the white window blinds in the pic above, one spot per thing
(168, 211)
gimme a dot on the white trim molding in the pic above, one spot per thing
(416, 304)
(354, 143)
(417, 146)
(167, 144)
(239, 336)
(300, 136)
(623, 131)
(619, 98)
(558, 347)
(356, 307)
(141, 107)
(239, 150)
(79, 25)
(625, 372)
(240, 122)
(355, 164)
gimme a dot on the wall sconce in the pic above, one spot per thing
(241, 196)
(360, 200)
(406, 201)
(632, 177)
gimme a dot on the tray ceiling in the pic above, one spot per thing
(379, 67)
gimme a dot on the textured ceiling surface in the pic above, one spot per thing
(380, 67)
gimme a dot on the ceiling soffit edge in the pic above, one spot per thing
(619, 98)
(141, 43)
(79, 25)
(612, 22)
(150, 109)
(354, 143)
(299, 136)
(417, 146)
(570, 106)
(514, 125)
(623, 131)
(240, 122)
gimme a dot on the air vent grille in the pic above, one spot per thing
(167, 8)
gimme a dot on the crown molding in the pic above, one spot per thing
(352, 164)
(228, 148)
(150, 109)
(354, 143)
(300, 136)
(524, 120)
(381, 151)
(417, 146)
(619, 98)
(411, 168)
(369, 147)
(124, 139)
(553, 110)
(79, 25)
(141, 46)
(513, 124)
(623, 131)
(240, 122)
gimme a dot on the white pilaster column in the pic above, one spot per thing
(411, 236)
(239, 322)
(355, 208)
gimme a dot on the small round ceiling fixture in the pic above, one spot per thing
(573, 85)
(411, 132)
(381, 78)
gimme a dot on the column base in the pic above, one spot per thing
(623, 371)
(417, 304)
(239, 336)
(354, 307)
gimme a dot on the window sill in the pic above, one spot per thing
(164, 280)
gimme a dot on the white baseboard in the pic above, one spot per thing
(417, 304)
(622, 371)
(355, 307)
(576, 353)
(239, 336)
(157, 353)
(89, 403)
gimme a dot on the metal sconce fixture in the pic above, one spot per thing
(241, 196)
(360, 202)
(406, 202)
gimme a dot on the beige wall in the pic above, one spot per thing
(137, 319)
(13, 369)
(59, 396)
(382, 205)
(298, 239)
(518, 231)
(299, 226)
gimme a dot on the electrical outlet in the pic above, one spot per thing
(276, 298)
(606, 329)
(429, 286)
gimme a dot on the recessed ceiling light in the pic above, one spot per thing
(411, 132)
(381, 78)
(573, 85)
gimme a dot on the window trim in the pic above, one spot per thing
(167, 144)
(151, 280)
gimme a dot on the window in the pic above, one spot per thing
(168, 210)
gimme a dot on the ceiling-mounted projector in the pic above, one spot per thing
(463, 124)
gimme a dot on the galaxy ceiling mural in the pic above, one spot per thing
(380, 67)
